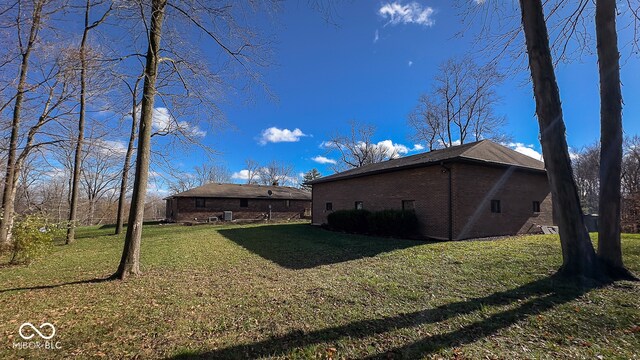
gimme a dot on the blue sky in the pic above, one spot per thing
(372, 67)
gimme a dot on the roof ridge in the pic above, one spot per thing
(473, 144)
(484, 150)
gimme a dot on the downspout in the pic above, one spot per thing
(448, 171)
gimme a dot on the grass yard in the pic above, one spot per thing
(293, 291)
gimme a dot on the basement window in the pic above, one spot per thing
(359, 205)
(287, 203)
(244, 202)
(200, 203)
(408, 204)
(495, 206)
(328, 206)
(536, 206)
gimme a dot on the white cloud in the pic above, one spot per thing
(164, 123)
(411, 13)
(390, 148)
(573, 155)
(326, 145)
(275, 135)
(410, 63)
(241, 175)
(376, 37)
(453, 143)
(56, 173)
(323, 160)
(111, 146)
(153, 188)
(526, 149)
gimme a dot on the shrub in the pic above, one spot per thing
(32, 238)
(399, 223)
(351, 221)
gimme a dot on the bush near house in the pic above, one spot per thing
(397, 223)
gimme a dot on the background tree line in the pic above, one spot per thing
(586, 168)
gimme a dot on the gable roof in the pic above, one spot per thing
(483, 152)
(245, 191)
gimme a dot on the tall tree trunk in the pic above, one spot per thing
(77, 161)
(130, 261)
(579, 258)
(8, 198)
(609, 249)
(92, 210)
(127, 159)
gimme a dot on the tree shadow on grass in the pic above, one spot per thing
(301, 246)
(533, 298)
(40, 287)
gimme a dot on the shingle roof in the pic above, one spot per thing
(484, 151)
(245, 191)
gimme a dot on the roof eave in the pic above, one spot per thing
(458, 159)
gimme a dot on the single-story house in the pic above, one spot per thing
(479, 189)
(211, 201)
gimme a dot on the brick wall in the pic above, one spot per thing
(473, 188)
(428, 187)
(184, 208)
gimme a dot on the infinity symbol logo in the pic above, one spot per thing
(53, 331)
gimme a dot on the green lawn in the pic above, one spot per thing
(295, 291)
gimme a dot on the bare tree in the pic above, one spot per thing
(77, 163)
(189, 80)
(585, 171)
(631, 186)
(578, 255)
(427, 123)
(212, 173)
(201, 175)
(133, 90)
(571, 38)
(31, 177)
(609, 227)
(358, 148)
(100, 174)
(276, 174)
(130, 261)
(460, 106)
(253, 171)
(55, 92)
(26, 48)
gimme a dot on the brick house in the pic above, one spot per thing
(210, 201)
(479, 189)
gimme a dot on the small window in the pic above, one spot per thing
(359, 205)
(495, 206)
(244, 202)
(287, 203)
(200, 203)
(536, 206)
(408, 205)
(329, 206)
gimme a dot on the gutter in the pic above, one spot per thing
(447, 170)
